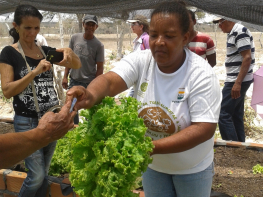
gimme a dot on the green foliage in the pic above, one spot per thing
(107, 153)
(218, 186)
(200, 14)
(60, 160)
(257, 169)
(113, 55)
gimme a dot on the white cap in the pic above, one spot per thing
(132, 21)
(217, 19)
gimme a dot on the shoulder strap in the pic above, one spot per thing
(32, 82)
(52, 68)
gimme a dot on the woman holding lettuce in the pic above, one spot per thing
(180, 97)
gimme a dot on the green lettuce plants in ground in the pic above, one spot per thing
(108, 151)
(257, 169)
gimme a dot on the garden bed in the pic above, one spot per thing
(233, 169)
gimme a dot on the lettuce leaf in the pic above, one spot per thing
(109, 150)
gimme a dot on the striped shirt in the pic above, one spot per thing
(202, 45)
(238, 40)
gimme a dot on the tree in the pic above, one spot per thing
(120, 36)
(200, 14)
(80, 17)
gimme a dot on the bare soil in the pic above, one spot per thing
(233, 169)
(234, 174)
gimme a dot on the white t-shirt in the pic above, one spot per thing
(170, 102)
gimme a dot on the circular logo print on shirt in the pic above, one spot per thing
(157, 120)
(144, 86)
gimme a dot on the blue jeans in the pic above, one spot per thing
(72, 83)
(36, 182)
(231, 124)
(157, 184)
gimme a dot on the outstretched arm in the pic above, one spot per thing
(109, 84)
(16, 146)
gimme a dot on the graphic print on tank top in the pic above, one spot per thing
(45, 92)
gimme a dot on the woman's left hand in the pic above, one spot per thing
(67, 56)
(70, 59)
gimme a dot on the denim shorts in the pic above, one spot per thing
(157, 184)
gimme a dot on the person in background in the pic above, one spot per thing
(41, 40)
(201, 43)
(180, 103)
(91, 53)
(52, 126)
(240, 60)
(139, 26)
(21, 65)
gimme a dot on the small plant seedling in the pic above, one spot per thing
(257, 169)
(219, 185)
(230, 172)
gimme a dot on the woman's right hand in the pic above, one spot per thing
(43, 66)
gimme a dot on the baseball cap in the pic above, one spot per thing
(90, 18)
(138, 18)
(217, 19)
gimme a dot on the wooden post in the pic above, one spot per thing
(120, 40)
